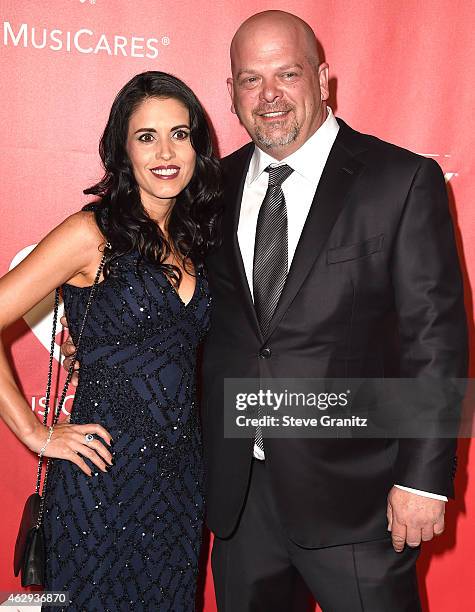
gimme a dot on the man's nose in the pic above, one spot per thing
(270, 91)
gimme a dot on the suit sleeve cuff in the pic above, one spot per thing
(423, 493)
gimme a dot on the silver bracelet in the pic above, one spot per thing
(48, 440)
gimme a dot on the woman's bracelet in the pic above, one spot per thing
(48, 440)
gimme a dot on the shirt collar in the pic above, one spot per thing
(303, 160)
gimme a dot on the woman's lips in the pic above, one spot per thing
(165, 173)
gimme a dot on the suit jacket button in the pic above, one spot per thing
(265, 353)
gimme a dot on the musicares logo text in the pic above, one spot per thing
(38, 404)
(84, 41)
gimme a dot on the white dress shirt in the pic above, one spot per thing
(307, 164)
(299, 189)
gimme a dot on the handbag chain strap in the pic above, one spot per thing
(69, 375)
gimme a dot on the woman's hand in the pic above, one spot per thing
(69, 442)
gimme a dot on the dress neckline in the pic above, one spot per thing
(183, 303)
(165, 278)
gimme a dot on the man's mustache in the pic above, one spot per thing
(277, 108)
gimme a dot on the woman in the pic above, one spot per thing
(123, 526)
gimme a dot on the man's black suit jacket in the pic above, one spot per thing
(376, 256)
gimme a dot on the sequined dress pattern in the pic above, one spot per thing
(129, 539)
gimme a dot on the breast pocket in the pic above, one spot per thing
(350, 252)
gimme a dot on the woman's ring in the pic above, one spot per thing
(89, 438)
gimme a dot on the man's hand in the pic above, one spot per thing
(413, 518)
(68, 349)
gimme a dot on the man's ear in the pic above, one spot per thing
(230, 84)
(323, 80)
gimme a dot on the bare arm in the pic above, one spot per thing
(70, 253)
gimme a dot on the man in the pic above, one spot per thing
(367, 240)
(332, 241)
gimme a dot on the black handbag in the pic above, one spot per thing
(30, 546)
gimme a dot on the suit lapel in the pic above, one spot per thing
(235, 176)
(338, 176)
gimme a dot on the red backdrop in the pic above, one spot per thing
(401, 70)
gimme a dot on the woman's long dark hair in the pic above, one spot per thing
(120, 214)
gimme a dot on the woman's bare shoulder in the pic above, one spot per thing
(82, 228)
(69, 253)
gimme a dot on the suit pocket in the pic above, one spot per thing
(355, 251)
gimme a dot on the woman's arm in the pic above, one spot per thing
(70, 253)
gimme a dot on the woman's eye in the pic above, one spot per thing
(181, 135)
(146, 137)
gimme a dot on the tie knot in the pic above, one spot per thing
(278, 174)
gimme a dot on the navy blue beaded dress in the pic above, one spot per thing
(129, 539)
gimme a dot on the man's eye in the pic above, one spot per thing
(289, 75)
(249, 81)
(146, 138)
(181, 135)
